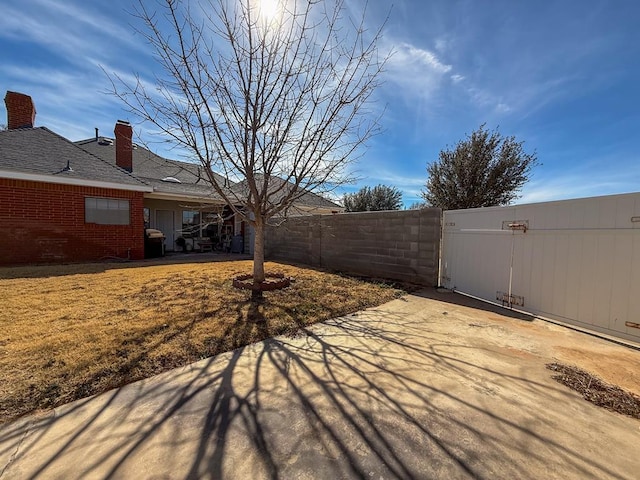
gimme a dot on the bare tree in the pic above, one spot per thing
(417, 206)
(261, 92)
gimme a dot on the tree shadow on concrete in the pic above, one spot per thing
(379, 394)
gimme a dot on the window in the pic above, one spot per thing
(106, 211)
(146, 215)
(190, 224)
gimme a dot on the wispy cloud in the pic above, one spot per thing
(410, 186)
(407, 54)
(566, 188)
(417, 71)
(580, 182)
(65, 100)
(442, 45)
(63, 28)
(414, 77)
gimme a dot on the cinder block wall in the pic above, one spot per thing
(400, 245)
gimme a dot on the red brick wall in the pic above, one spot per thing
(44, 223)
(21, 112)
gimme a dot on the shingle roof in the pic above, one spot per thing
(43, 152)
(308, 199)
(153, 169)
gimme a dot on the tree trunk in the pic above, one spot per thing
(258, 257)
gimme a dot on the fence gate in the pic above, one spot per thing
(577, 261)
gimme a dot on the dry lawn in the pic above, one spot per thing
(67, 332)
(597, 391)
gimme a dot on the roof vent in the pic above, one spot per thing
(171, 180)
(105, 141)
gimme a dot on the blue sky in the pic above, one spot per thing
(563, 76)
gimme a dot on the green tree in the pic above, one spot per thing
(483, 170)
(381, 197)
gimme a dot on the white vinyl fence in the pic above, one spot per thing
(577, 261)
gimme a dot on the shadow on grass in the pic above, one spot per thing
(203, 330)
(57, 270)
(362, 396)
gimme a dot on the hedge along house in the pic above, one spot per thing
(59, 203)
(182, 204)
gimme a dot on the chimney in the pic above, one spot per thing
(21, 112)
(124, 145)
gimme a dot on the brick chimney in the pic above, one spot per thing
(21, 112)
(124, 145)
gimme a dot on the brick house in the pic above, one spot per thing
(59, 203)
(62, 201)
(183, 204)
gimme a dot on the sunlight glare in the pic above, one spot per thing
(269, 9)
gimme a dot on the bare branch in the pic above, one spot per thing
(277, 103)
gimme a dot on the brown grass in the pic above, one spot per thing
(67, 332)
(596, 390)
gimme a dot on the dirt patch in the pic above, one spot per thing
(605, 360)
(597, 391)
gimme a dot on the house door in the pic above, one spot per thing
(165, 223)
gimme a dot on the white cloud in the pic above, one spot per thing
(517, 87)
(481, 98)
(407, 55)
(582, 183)
(66, 100)
(562, 189)
(417, 71)
(442, 45)
(58, 93)
(503, 108)
(410, 186)
(68, 30)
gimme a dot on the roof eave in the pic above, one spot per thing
(183, 197)
(81, 182)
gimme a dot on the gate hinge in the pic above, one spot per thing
(510, 300)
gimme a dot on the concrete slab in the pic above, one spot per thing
(426, 386)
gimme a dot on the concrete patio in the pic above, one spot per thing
(432, 385)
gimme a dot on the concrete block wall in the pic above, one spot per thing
(400, 245)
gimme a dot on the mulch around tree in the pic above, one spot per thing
(597, 391)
